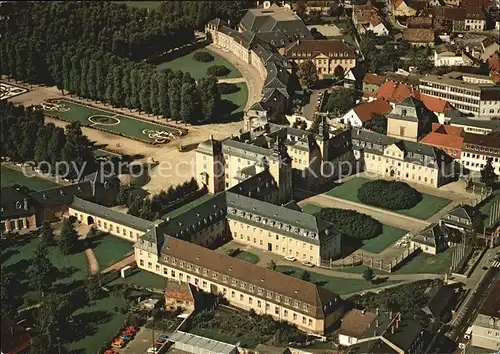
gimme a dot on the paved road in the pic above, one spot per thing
(478, 284)
(384, 216)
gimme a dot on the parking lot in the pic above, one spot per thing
(142, 341)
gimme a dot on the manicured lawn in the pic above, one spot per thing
(144, 279)
(358, 270)
(123, 125)
(198, 69)
(238, 98)
(388, 237)
(377, 244)
(110, 249)
(248, 256)
(99, 324)
(428, 206)
(426, 263)
(10, 176)
(71, 269)
(187, 206)
(338, 285)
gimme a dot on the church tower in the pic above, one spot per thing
(210, 165)
(280, 167)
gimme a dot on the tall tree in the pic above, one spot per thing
(175, 98)
(69, 237)
(52, 318)
(117, 94)
(210, 96)
(93, 287)
(488, 175)
(307, 73)
(8, 295)
(46, 234)
(153, 95)
(190, 102)
(41, 271)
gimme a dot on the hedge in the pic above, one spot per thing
(227, 88)
(393, 195)
(218, 70)
(204, 57)
(352, 223)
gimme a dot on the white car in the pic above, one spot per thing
(290, 258)
(308, 264)
(153, 349)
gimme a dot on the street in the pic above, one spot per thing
(479, 284)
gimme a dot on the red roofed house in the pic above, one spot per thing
(179, 294)
(447, 138)
(372, 82)
(15, 339)
(395, 92)
(364, 112)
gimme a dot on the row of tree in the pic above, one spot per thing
(120, 29)
(151, 209)
(24, 137)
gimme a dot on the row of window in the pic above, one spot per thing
(224, 278)
(407, 165)
(15, 224)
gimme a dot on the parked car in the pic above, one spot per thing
(163, 336)
(160, 341)
(154, 349)
(308, 264)
(126, 336)
(290, 258)
(118, 344)
(110, 351)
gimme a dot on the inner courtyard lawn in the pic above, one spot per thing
(125, 126)
(110, 249)
(428, 206)
(173, 213)
(340, 286)
(10, 176)
(377, 244)
(198, 69)
(71, 269)
(248, 256)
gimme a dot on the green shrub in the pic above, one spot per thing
(352, 223)
(218, 70)
(227, 88)
(204, 57)
(393, 195)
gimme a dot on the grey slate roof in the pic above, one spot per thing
(405, 335)
(110, 214)
(210, 146)
(494, 125)
(247, 151)
(63, 195)
(13, 202)
(293, 223)
(431, 236)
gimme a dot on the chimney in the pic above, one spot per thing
(376, 322)
(397, 323)
(392, 329)
(390, 315)
(377, 312)
(25, 203)
(298, 41)
(211, 137)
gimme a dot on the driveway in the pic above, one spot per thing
(142, 341)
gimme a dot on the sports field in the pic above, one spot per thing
(109, 121)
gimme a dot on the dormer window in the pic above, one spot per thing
(18, 205)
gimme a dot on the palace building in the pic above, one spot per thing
(244, 285)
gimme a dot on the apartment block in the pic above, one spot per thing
(477, 149)
(469, 94)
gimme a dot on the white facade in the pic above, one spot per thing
(475, 160)
(451, 59)
(352, 118)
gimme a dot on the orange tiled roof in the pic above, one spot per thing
(365, 111)
(394, 91)
(434, 104)
(443, 141)
(374, 79)
(446, 129)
